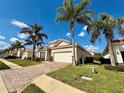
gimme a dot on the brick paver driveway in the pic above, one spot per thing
(18, 79)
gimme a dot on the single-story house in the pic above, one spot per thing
(62, 51)
(118, 49)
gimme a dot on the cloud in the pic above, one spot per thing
(3, 45)
(68, 34)
(91, 48)
(2, 37)
(22, 36)
(53, 41)
(13, 39)
(85, 28)
(19, 23)
(81, 34)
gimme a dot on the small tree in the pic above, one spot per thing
(35, 37)
(17, 45)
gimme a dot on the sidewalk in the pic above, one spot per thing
(50, 85)
(10, 64)
(17, 79)
(3, 88)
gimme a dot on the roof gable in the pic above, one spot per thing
(62, 43)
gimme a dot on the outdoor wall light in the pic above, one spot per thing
(117, 52)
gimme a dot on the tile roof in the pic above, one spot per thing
(118, 40)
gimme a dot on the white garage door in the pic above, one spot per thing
(63, 57)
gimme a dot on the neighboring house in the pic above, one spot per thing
(118, 49)
(16, 53)
(20, 52)
(62, 51)
(27, 53)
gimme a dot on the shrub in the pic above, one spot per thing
(89, 60)
(105, 61)
(96, 58)
(39, 59)
(119, 67)
(11, 57)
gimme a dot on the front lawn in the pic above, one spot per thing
(104, 81)
(24, 63)
(32, 89)
(3, 66)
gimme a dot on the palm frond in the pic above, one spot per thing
(62, 18)
(94, 36)
(36, 28)
(80, 6)
(60, 11)
(39, 44)
(26, 30)
(43, 35)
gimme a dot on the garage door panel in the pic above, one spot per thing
(63, 57)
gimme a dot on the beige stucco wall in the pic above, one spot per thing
(63, 44)
(81, 53)
(60, 50)
(39, 53)
(26, 54)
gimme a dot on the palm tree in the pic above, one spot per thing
(16, 46)
(71, 12)
(105, 25)
(35, 37)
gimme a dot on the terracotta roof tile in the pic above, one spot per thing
(118, 40)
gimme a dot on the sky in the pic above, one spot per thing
(16, 14)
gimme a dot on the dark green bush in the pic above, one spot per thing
(11, 57)
(39, 59)
(119, 67)
(96, 58)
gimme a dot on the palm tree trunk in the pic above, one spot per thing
(33, 52)
(112, 58)
(73, 41)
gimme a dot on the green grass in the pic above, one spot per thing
(104, 81)
(3, 66)
(23, 63)
(32, 89)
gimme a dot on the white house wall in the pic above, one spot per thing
(117, 48)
